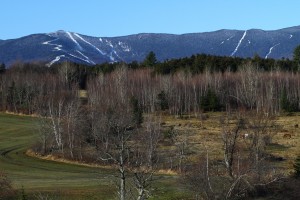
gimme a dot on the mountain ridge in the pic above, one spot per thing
(65, 45)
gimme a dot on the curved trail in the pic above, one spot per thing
(17, 134)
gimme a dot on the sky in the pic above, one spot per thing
(109, 18)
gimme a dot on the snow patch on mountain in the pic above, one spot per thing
(270, 50)
(124, 46)
(240, 42)
(87, 58)
(115, 52)
(87, 61)
(75, 41)
(57, 46)
(111, 57)
(229, 38)
(89, 44)
(109, 43)
(291, 36)
(55, 60)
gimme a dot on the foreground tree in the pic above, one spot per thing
(230, 136)
(115, 146)
(150, 59)
(296, 58)
(246, 171)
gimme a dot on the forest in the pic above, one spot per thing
(118, 115)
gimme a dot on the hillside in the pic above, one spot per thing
(64, 45)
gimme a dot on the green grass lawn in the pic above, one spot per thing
(18, 133)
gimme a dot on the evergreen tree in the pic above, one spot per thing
(210, 101)
(137, 111)
(296, 58)
(162, 101)
(2, 68)
(284, 102)
(150, 59)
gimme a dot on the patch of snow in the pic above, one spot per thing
(89, 44)
(49, 42)
(291, 36)
(249, 42)
(222, 42)
(87, 58)
(72, 38)
(100, 39)
(117, 55)
(270, 51)
(124, 46)
(57, 46)
(109, 43)
(111, 57)
(55, 60)
(88, 61)
(230, 38)
(240, 42)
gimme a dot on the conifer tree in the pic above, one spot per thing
(296, 58)
(137, 111)
(2, 68)
(150, 59)
(162, 101)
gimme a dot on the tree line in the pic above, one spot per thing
(180, 93)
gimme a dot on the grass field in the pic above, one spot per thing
(18, 133)
(201, 133)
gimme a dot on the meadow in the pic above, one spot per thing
(70, 181)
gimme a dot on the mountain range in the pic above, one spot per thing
(64, 45)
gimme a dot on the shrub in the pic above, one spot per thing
(210, 101)
(6, 189)
(297, 167)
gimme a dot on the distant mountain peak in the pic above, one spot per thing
(67, 45)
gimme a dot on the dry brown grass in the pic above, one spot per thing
(206, 133)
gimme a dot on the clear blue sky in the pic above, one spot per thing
(123, 17)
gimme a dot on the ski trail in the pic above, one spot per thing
(72, 38)
(229, 38)
(111, 57)
(57, 46)
(270, 51)
(117, 55)
(49, 42)
(89, 44)
(87, 58)
(109, 43)
(55, 60)
(88, 61)
(240, 42)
